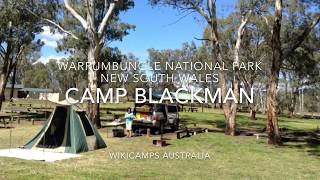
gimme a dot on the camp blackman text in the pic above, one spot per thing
(199, 95)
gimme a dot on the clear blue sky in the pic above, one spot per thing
(155, 28)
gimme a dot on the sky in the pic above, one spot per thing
(156, 27)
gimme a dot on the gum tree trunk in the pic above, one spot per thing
(253, 112)
(4, 75)
(229, 108)
(3, 83)
(217, 57)
(274, 134)
(272, 117)
(230, 122)
(13, 82)
(293, 102)
(95, 32)
(93, 108)
(236, 81)
(229, 128)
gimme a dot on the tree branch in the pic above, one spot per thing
(297, 42)
(201, 11)
(12, 65)
(244, 21)
(106, 18)
(55, 24)
(182, 17)
(75, 14)
(202, 39)
(241, 29)
(61, 28)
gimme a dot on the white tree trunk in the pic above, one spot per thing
(93, 108)
(96, 37)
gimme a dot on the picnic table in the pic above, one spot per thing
(22, 104)
(193, 109)
(187, 132)
(3, 118)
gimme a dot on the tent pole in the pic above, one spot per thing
(10, 124)
(45, 116)
(10, 134)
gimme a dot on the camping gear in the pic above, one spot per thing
(67, 130)
(118, 132)
(143, 109)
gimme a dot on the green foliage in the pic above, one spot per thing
(163, 56)
(18, 27)
(62, 80)
(17, 30)
(131, 85)
(37, 76)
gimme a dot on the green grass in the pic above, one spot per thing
(238, 157)
(216, 119)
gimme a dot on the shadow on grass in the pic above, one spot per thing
(218, 122)
(308, 141)
(312, 148)
(293, 137)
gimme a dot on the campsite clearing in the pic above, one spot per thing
(230, 157)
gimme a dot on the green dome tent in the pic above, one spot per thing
(67, 130)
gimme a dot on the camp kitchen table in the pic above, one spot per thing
(140, 122)
(145, 124)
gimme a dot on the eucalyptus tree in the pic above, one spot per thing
(37, 76)
(133, 73)
(89, 26)
(207, 10)
(301, 70)
(162, 57)
(255, 49)
(18, 29)
(283, 46)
